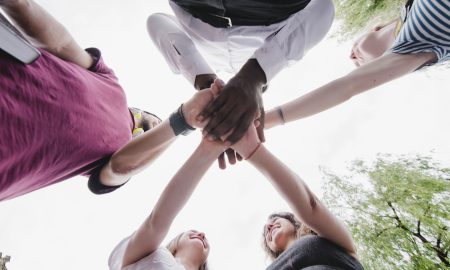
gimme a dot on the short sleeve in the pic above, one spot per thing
(99, 65)
(96, 187)
(426, 29)
(116, 258)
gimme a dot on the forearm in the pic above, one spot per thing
(176, 194)
(286, 182)
(46, 32)
(137, 154)
(321, 99)
(182, 185)
(306, 206)
(369, 76)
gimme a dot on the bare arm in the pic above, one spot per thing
(303, 202)
(45, 31)
(382, 70)
(154, 229)
(143, 150)
(136, 155)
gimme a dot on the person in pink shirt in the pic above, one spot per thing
(66, 114)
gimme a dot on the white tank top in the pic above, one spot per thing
(160, 259)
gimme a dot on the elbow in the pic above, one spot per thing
(120, 165)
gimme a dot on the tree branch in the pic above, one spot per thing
(439, 252)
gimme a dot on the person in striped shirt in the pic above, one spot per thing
(420, 37)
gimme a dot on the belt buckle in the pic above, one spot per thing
(227, 19)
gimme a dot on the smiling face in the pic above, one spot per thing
(373, 44)
(194, 243)
(278, 234)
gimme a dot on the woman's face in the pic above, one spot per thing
(373, 44)
(278, 233)
(196, 243)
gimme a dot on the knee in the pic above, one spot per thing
(154, 22)
(323, 8)
(329, 9)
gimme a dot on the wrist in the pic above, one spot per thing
(178, 123)
(203, 81)
(247, 149)
(256, 153)
(210, 150)
(249, 156)
(252, 73)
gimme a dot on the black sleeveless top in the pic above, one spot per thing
(314, 252)
(219, 13)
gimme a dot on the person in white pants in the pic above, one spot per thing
(193, 45)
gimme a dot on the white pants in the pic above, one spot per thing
(186, 41)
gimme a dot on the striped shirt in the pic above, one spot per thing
(426, 29)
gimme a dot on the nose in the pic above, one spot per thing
(352, 55)
(201, 235)
(270, 226)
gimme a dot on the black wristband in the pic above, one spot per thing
(179, 124)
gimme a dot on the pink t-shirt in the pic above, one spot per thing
(57, 120)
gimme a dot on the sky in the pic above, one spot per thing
(66, 227)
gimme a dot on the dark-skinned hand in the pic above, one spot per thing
(237, 106)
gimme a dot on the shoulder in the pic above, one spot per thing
(161, 257)
(98, 65)
(116, 256)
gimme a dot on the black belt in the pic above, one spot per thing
(220, 21)
(213, 19)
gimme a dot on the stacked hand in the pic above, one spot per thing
(194, 106)
(242, 148)
(245, 147)
(237, 106)
(227, 111)
(232, 112)
(219, 87)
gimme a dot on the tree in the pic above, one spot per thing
(398, 211)
(356, 15)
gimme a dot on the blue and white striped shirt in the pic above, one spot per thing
(426, 29)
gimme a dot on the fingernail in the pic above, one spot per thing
(210, 138)
(200, 118)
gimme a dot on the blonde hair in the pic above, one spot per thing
(172, 246)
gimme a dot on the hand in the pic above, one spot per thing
(230, 153)
(213, 148)
(197, 103)
(237, 106)
(247, 145)
(232, 156)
